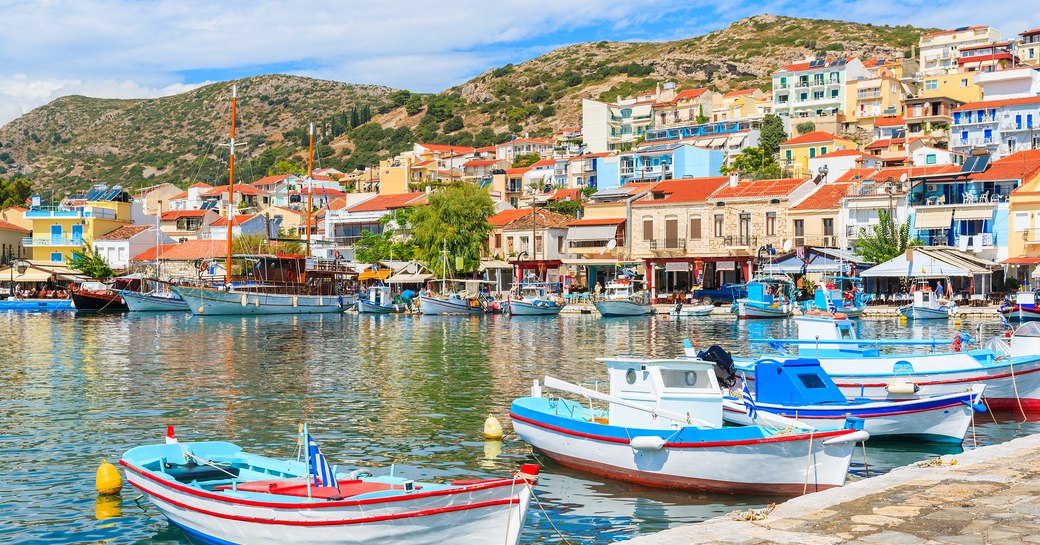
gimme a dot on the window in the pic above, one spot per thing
(929, 159)
(720, 222)
(823, 150)
(964, 82)
(671, 233)
(828, 227)
(498, 240)
(803, 96)
(648, 229)
(559, 244)
(695, 228)
(931, 84)
(745, 228)
(626, 113)
(1021, 221)
(770, 224)
(799, 228)
(812, 152)
(55, 256)
(787, 155)
(834, 93)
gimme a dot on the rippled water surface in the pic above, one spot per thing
(407, 390)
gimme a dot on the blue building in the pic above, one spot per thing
(656, 162)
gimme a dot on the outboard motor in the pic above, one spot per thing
(724, 368)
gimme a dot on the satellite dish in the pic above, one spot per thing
(902, 177)
(611, 244)
(787, 245)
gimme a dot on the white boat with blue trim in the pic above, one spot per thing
(219, 494)
(767, 297)
(662, 426)
(156, 301)
(620, 299)
(927, 305)
(203, 300)
(380, 300)
(534, 299)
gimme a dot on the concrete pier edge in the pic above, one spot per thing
(1005, 466)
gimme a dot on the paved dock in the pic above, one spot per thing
(988, 495)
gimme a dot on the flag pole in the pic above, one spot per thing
(307, 457)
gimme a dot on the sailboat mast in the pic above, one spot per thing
(158, 263)
(231, 186)
(310, 187)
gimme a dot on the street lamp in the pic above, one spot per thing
(22, 266)
(520, 265)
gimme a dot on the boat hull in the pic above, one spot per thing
(699, 310)
(38, 305)
(367, 307)
(911, 312)
(750, 310)
(940, 419)
(143, 302)
(210, 301)
(482, 515)
(611, 309)
(533, 308)
(98, 302)
(777, 465)
(1020, 314)
(436, 306)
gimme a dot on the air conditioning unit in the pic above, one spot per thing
(931, 187)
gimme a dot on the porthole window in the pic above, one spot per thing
(630, 376)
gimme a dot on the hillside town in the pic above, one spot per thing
(942, 141)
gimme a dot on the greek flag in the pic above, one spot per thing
(320, 467)
(749, 403)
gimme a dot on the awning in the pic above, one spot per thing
(409, 278)
(931, 264)
(932, 219)
(592, 232)
(1008, 261)
(600, 262)
(716, 142)
(495, 264)
(984, 213)
(737, 139)
(369, 274)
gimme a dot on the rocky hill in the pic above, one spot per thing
(75, 141)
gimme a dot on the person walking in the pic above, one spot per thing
(598, 290)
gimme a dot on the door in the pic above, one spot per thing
(56, 235)
(77, 234)
(745, 230)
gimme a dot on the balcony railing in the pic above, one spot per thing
(59, 212)
(52, 241)
(980, 240)
(668, 244)
(740, 240)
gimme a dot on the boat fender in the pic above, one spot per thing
(528, 472)
(956, 343)
(108, 480)
(256, 301)
(492, 428)
(647, 442)
(358, 474)
(902, 387)
(976, 406)
(854, 437)
(245, 300)
(295, 301)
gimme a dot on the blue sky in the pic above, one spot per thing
(149, 48)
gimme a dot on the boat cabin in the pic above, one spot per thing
(795, 382)
(1026, 299)
(622, 289)
(769, 290)
(683, 386)
(825, 328)
(926, 299)
(380, 295)
(831, 296)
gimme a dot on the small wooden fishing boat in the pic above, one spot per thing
(927, 305)
(767, 297)
(533, 299)
(98, 297)
(620, 299)
(663, 427)
(698, 309)
(1022, 308)
(380, 300)
(217, 493)
(155, 301)
(830, 297)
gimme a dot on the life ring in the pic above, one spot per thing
(336, 254)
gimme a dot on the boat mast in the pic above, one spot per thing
(158, 263)
(310, 186)
(231, 186)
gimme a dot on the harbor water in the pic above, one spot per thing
(412, 391)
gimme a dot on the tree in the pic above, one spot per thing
(805, 127)
(701, 118)
(372, 247)
(772, 134)
(455, 219)
(453, 124)
(14, 192)
(526, 160)
(885, 240)
(90, 263)
(755, 164)
(285, 166)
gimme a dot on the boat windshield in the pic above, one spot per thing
(1028, 329)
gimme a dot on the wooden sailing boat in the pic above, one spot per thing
(297, 291)
(160, 299)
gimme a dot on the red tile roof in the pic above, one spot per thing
(810, 138)
(479, 163)
(686, 190)
(486, 149)
(855, 174)
(545, 219)
(740, 92)
(176, 214)
(270, 180)
(237, 220)
(896, 172)
(1023, 165)
(440, 148)
(181, 195)
(338, 203)
(389, 202)
(826, 197)
(688, 94)
(328, 192)
(884, 143)
(759, 188)
(941, 32)
(12, 227)
(544, 163)
(241, 189)
(1030, 32)
(573, 194)
(125, 232)
(515, 171)
(502, 218)
(844, 153)
(189, 250)
(200, 184)
(423, 163)
(997, 103)
(596, 221)
(892, 121)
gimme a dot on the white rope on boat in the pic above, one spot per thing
(808, 463)
(1014, 384)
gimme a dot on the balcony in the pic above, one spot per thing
(514, 187)
(30, 242)
(976, 242)
(668, 244)
(42, 212)
(977, 119)
(738, 241)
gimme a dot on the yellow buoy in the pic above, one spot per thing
(108, 480)
(956, 323)
(492, 428)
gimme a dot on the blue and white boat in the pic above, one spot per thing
(37, 305)
(830, 297)
(156, 301)
(217, 493)
(926, 304)
(468, 301)
(1021, 308)
(800, 388)
(767, 297)
(620, 299)
(380, 300)
(533, 299)
(661, 425)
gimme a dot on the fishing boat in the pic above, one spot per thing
(99, 296)
(533, 299)
(36, 304)
(217, 493)
(468, 301)
(1022, 307)
(926, 304)
(620, 299)
(767, 297)
(800, 388)
(1009, 371)
(831, 297)
(662, 426)
(380, 300)
(154, 301)
(692, 310)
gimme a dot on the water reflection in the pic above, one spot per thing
(410, 390)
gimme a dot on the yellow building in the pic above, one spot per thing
(796, 152)
(1023, 212)
(57, 231)
(958, 86)
(739, 105)
(1029, 47)
(872, 98)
